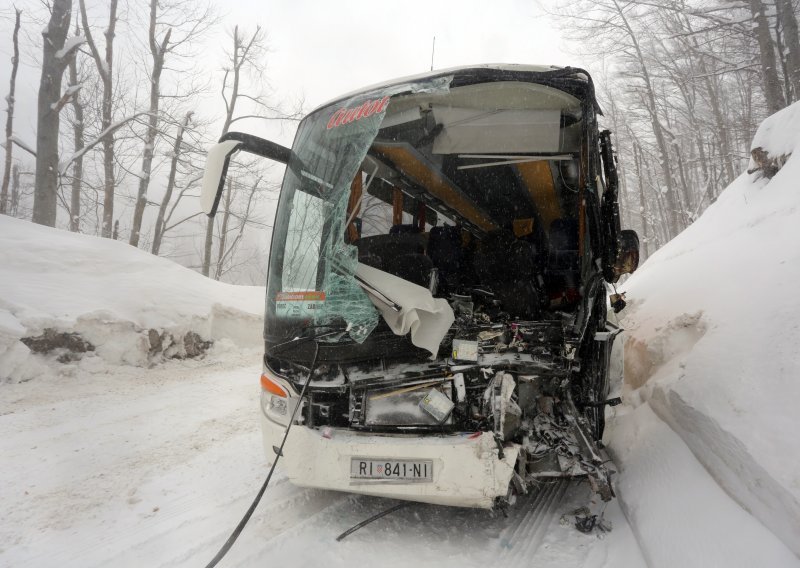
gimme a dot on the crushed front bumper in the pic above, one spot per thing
(468, 471)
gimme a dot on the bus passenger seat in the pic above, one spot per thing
(447, 255)
(562, 275)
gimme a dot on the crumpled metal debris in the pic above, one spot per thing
(587, 523)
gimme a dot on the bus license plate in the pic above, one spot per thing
(392, 470)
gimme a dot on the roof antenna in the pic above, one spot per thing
(433, 50)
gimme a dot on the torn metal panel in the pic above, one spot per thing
(425, 318)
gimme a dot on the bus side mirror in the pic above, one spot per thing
(628, 256)
(214, 176)
(220, 156)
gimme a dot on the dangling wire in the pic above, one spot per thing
(375, 517)
(238, 530)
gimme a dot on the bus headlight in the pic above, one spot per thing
(277, 402)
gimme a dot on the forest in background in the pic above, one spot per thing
(684, 84)
(121, 138)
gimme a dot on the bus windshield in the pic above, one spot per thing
(312, 265)
(468, 189)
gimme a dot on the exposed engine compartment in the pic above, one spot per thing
(521, 381)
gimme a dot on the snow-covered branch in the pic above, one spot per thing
(70, 45)
(22, 144)
(62, 168)
(69, 93)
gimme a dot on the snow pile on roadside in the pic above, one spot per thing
(130, 306)
(779, 135)
(680, 516)
(713, 326)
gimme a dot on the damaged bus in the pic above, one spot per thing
(436, 298)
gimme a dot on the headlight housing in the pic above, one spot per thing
(278, 399)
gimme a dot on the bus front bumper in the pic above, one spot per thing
(467, 469)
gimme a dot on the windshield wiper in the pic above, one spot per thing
(300, 336)
(383, 298)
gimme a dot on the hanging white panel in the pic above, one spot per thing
(469, 130)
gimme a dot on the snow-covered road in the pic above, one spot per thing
(136, 467)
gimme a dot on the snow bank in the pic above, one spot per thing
(130, 305)
(713, 328)
(779, 135)
(677, 510)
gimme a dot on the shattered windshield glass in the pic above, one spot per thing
(312, 266)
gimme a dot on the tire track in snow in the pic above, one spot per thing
(526, 534)
(268, 526)
(437, 535)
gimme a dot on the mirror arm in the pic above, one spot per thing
(259, 146)
(230, 143)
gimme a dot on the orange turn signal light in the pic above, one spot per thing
(271, 386)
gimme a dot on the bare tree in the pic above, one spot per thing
(14, 206)
(10, 111)
(247, 54)
(609, 27)
(56, 55)
(223, 233)
(187, 23)
(766, 49)
(788, 23)
(158, 51)
(173, 171)
(105, 67)
(78, 143)
(187, 161)
(229, 244)
(652, 109)
(687, 82)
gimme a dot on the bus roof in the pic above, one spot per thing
(481, 73)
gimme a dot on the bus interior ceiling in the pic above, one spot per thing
(474, 201)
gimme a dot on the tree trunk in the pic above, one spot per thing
(771, 83)
(230, 252)
(722, 130)
(230, 107)
(173, 170)
(47, 123)
(782, 59)
(158, 52)
(689, 99)
(13, 210)
(209, 242)
(642, 200)
(10, 118)
(107, 117)
(788, 22)
(78, 141)
(624, 198)
(656, 204)
(223, 232)
(105, 68)
(721, 126)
